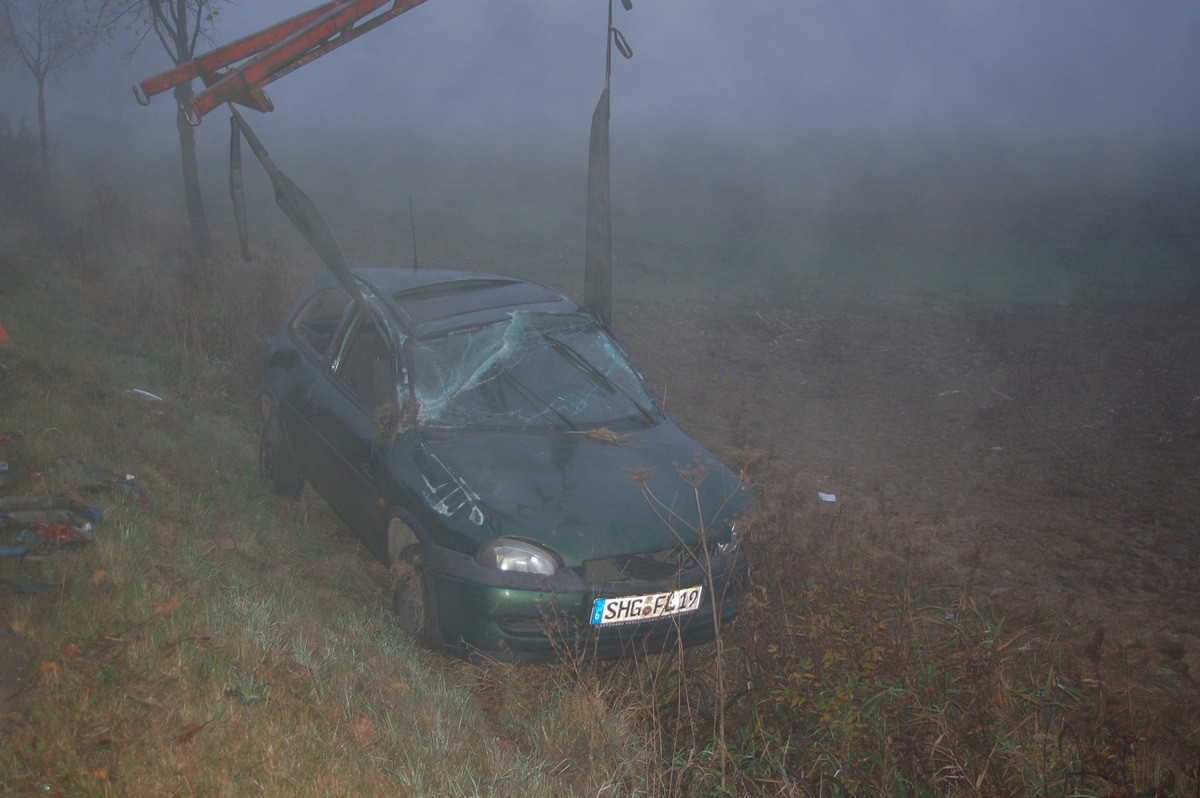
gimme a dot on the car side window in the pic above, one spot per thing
(367, 365)
(317, 322)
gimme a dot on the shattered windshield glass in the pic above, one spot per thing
(530, 370)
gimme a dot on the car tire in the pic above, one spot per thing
(412, 596)
(276, 463)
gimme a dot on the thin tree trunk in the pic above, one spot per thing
(42, 140)
(198, 221)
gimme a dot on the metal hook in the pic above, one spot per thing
(622, 45)
(189, 113)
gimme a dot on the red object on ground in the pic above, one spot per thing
(5, 340)
(59, 533)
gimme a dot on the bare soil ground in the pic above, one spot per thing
(1059, 445)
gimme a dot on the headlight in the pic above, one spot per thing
(506, 554)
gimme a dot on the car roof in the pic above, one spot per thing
(430, 302)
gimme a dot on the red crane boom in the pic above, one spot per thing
(272, 53)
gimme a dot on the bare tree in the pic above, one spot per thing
(44, 35)
(179, 25)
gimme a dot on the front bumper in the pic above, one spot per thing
(481, 612)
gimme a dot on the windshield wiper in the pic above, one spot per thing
(596, 375)
(532, 397)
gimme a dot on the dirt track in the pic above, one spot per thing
(1062, 441)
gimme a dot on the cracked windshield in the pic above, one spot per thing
(530, 370)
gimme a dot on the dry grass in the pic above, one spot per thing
(852, 671)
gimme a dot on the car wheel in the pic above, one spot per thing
(275, 461)
(412, 597)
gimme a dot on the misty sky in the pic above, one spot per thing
(706, 68)
(723, 68)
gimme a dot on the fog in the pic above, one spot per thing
(939, 257)
(822, 120)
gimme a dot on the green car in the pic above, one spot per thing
(491, 443)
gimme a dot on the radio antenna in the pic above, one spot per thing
(413, 224)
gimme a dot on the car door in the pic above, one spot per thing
(296, 367)
(354, 415)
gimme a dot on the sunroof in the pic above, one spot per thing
(460, 297)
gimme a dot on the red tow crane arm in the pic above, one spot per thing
(272, 52)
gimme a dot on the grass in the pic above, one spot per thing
(215, 641)
(219, 641)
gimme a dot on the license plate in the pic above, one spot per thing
(634, 609)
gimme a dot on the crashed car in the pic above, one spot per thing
(491, 443)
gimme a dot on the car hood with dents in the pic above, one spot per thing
(585, 495)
